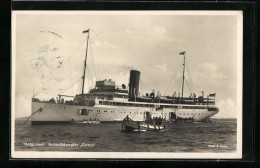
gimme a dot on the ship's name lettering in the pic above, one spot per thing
(87, 144)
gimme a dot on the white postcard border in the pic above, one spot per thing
(134, 155)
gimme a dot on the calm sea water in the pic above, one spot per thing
(216, 136)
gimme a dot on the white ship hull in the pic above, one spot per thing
(45, 113)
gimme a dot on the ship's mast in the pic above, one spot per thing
(183, 53)
(85, 62)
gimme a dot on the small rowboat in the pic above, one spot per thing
(130, 125)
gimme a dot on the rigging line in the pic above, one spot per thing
(71, 77)
(141, 87)
(74, 52)
(70, 86)
(89, 79)
(173, 82)
(83, 41)
(96, 33)
(188, 85)
(188, 70)
(190, 76)
(177, 70)
(54, 82)
(92, 59)
(51, 84)
(92, 79)
(98, 60)
(68, 58)
(179, 84)
(144, 86)
(44, 88)
(176, 81)
(192, 85)
(79, 87)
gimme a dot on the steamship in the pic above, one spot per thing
(108, 102)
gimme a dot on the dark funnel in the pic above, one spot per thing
(134, 83)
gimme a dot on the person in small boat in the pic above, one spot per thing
(127, 118)
(149, 120)
(160, 120)
(156, 121)
(72, 120)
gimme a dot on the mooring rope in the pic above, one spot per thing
(39, 110)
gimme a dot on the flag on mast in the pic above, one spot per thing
(212, 95)
(182, 53)
(86, 31)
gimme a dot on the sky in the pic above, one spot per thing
(49, 50)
